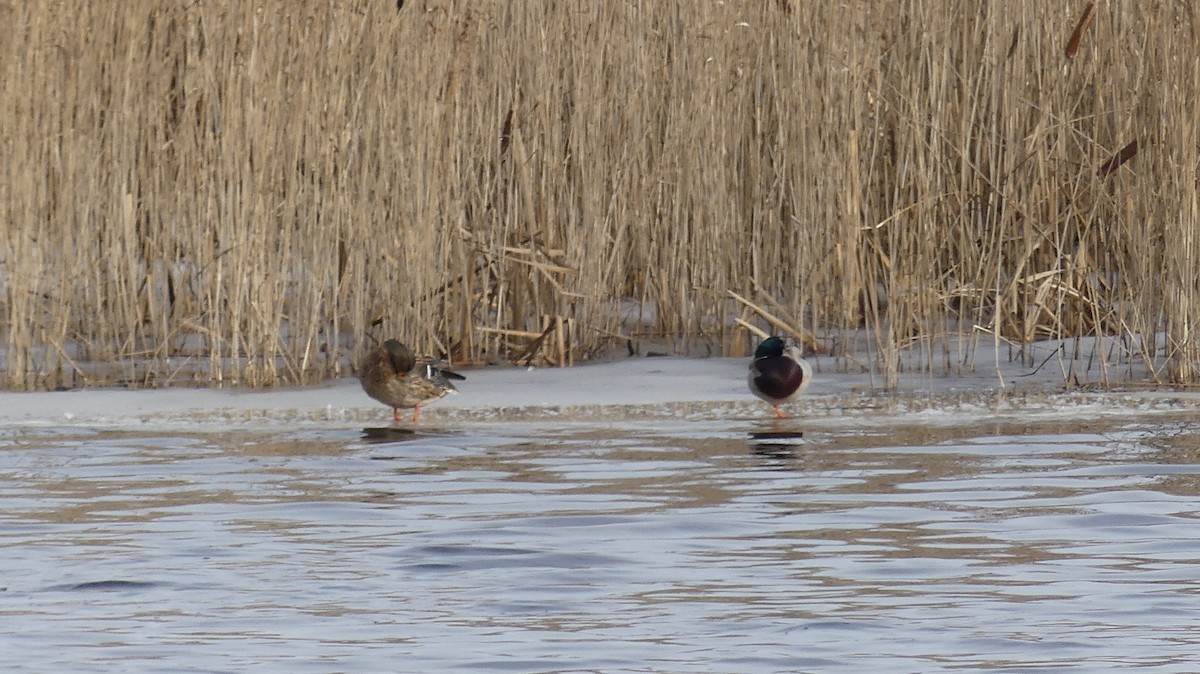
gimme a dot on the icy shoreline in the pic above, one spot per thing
(634, 389)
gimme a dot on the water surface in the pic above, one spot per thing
(625, 547)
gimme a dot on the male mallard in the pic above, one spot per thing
(393, 376)
(778, 374)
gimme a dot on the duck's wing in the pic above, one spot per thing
(777, 377)
(452, 375)
(430, 368)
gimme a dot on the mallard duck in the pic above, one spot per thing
(393, 376)
(778, 374)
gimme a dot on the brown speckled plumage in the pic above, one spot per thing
(394, 377)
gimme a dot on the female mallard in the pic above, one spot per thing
(393, 376)
(778, 374)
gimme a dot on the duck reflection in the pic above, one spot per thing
(384, 434)
(777, 444)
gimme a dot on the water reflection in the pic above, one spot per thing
(389, 434)
(781, 448)
(682, 546)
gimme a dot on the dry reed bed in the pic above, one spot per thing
(250, 192)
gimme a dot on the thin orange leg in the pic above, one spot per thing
(779, 413)
(417, 414)
(395, 414)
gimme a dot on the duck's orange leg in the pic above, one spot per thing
(779, 413)
(395, 414)
(417, 414)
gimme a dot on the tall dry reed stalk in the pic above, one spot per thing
(251, 193)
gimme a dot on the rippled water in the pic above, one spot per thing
(672, 547)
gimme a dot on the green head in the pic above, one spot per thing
(770, 347)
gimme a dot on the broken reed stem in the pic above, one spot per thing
(758, 332)
(801, 336)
